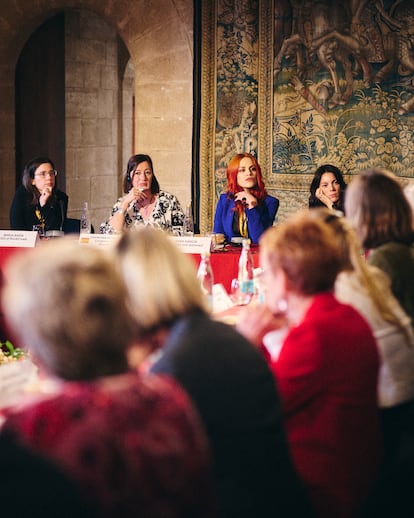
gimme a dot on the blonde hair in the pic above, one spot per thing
(161, 281)
(306, 250)
(67, 304)
(352, 259)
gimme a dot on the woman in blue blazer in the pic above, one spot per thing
(245, 210)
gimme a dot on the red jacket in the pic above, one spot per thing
(327, 378)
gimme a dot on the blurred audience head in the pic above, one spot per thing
(161, 281)
(409, 194)
(345, 236)
(66, 304)
(300, 256)
(376, 206)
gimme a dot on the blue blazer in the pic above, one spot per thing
(259, 218)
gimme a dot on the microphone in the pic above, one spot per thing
(61, 214)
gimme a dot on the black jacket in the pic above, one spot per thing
(23, 215)
(235, 394)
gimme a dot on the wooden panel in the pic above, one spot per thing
(40, 98)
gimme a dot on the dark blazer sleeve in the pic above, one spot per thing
(261, 217)
(18, 210)
(218, 226)
(223, 219)
(55, 215)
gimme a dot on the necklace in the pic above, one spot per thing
(147, 208)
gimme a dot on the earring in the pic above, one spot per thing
(282, 305)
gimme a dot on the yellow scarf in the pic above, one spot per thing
(243, 224)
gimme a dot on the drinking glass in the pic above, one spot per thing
(239, 296)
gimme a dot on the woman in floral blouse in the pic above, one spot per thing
(144, 203)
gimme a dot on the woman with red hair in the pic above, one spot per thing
(245, 210)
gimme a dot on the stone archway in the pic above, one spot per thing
(159, 39)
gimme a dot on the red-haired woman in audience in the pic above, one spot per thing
(327, 367)
(245, 210)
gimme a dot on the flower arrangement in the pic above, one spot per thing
(9, 353)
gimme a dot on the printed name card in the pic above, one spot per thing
(104, 240)
(18, 238)
(192, 245)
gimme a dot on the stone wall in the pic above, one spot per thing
(92, 113)
(159, 38)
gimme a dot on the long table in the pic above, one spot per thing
(224, 264)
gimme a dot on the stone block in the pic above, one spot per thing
(109, 77)
(83, 103)
(107, 102)
(165, 134)
(104, 192)
(90, 51)
(73, 130)
(172, 99)
(78, 190)
(93, 26)
(92, 75)
(74, 75)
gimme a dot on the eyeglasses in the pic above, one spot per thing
(43, 174)
(147, 172)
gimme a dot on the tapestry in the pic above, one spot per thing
(299, 83)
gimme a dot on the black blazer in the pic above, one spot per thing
(23, 216)
(235, 394)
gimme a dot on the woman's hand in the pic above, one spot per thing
(323, 198)
(134, 195)
(44, 196)
(246, 198)
(254, 322)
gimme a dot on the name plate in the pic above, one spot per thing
(18, 238)
(192, 245)
(104, 240)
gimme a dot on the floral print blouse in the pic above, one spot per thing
(167, 213)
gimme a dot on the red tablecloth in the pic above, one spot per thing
(8, 251)
(225, 264)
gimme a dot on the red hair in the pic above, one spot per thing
(259, 191)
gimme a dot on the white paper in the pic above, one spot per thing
(192, 244)
(18, 238)
(104, 240)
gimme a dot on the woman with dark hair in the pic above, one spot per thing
(38, 201)
(327, 188)
(245, 210)
(144, 203)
